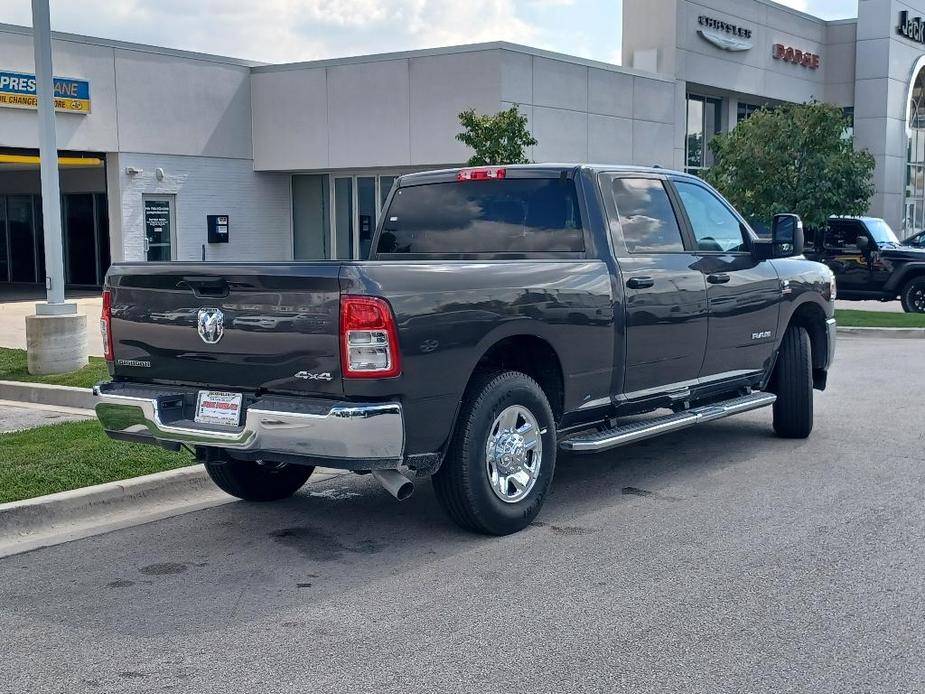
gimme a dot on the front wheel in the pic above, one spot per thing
(502, 456)
(913, 296)
(258, 481)
(792, 382)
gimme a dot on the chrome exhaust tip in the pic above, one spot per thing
(394, 483)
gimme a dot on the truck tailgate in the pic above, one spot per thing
(241, 326)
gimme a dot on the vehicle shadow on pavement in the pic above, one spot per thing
(295, 561)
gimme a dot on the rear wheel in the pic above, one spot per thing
(792, 382)
(502, 457)
(913, 296)
(258, 481)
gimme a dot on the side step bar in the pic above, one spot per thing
(638, 431)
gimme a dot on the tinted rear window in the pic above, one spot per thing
(532, 215)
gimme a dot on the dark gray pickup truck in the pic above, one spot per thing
(504, 314)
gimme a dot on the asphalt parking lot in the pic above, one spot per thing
(714, 560)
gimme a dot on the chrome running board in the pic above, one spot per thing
(639, 431)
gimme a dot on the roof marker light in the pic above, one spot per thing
(490, 173)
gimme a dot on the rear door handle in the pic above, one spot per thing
(640, 282)
(718, 278)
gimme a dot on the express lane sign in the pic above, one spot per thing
(17, 90)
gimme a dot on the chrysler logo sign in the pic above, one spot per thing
(211, 325)
(728, 37)
(912, 29)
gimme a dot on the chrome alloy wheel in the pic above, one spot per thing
(513, 454)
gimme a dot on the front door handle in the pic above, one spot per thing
(718, 278)
(640, 282)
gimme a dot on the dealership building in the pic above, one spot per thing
(166, 154)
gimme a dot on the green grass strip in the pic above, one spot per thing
(879, 319)
(66, 456)
(13, 368)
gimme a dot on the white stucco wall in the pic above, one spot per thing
(682, 52)
(143, 99)
(402, 109)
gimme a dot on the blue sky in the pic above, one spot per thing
(292, 30)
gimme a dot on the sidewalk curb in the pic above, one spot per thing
(79, 513)
(45, 394)
(903, 333)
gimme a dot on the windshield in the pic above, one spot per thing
(881, 231)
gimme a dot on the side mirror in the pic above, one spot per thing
(863, 243)
(787, 235)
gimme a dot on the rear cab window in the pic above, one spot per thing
(516, 217)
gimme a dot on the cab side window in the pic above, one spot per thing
(716, 229)
(645, 216)
(843, 236)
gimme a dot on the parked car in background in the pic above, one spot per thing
(870, 262)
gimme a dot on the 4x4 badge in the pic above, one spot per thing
(309, 376)
(211, 325)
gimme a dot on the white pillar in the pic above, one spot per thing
(56, 336)
(48, 153)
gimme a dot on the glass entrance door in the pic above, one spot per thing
(21, 230)
(159, 227)
(80, 241)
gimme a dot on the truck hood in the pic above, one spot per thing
(900, 252)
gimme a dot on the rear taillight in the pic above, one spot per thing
(489, 173)
(369, 344)
(106, 325)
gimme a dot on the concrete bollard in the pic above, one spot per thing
(56, 344)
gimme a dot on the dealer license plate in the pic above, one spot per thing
(218, 407)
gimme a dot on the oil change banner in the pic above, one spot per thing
(17, 90)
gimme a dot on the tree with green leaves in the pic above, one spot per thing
(502, 138)
(793, 158)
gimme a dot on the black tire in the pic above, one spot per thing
(913, 296)
(253, 481)
(462, 483)
(792, 382)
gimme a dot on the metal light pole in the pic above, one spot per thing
(56, 336)
(48, 154)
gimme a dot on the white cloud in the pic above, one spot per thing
(287, 30)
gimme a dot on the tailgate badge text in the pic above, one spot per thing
(309, 376)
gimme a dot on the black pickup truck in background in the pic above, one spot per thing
(870, 262)
(505, 314)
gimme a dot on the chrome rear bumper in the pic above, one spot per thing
(308, 428)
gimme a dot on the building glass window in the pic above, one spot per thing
(311, 217)
(744, 111)
(849, 114)
(914, 207)
(704, 120)
(336, 215)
